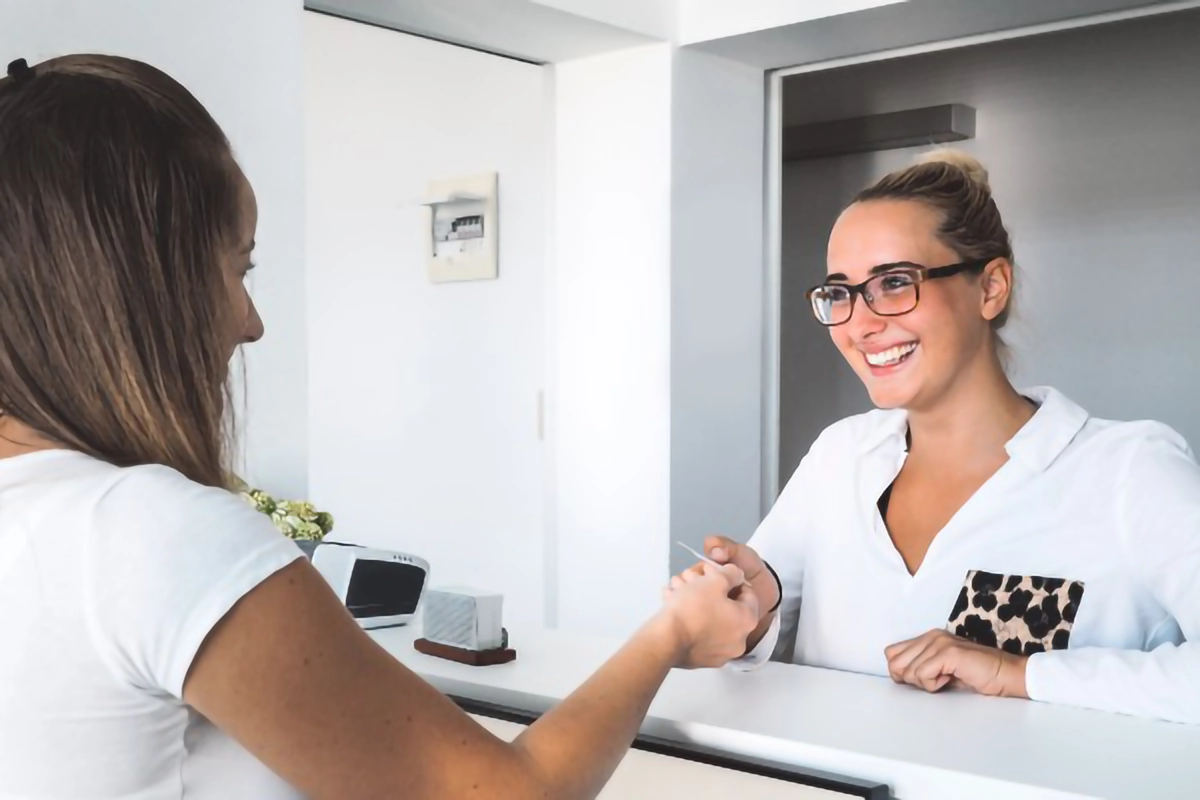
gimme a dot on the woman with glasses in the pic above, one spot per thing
(966, 533)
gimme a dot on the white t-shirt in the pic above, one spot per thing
(1088, 541)
(110, 579)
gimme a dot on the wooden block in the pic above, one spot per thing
(474, 658)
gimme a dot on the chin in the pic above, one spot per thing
(888, 400)
(887, 396)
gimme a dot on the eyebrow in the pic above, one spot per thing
(839, 277)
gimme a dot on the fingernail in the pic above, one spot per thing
(719, 554)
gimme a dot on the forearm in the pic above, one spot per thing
(575, 747)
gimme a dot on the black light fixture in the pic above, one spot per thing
(951, 122)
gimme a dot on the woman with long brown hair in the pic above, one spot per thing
(158, 638)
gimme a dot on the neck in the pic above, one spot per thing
(18, 439)
(973, 420)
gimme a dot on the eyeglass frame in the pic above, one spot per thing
(920, 274)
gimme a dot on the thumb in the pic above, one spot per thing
(721, 549)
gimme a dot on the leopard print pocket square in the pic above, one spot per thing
(1020, 614)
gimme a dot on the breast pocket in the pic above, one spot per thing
(1020, 614)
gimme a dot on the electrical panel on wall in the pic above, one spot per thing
(462, 226)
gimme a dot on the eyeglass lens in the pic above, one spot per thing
(890, 294)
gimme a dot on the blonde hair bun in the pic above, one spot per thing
(965, 162)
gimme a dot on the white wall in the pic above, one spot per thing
(242, 60)
(658, 336)
(613, 336)
(424, 398)
(1090, 137)
(630, 291)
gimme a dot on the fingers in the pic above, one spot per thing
(722, 594)
(932, 669)
(732, 573)
(749, 601)
(901, 655)
(724, 550)
(688, 575)
(893, 650)
(939, 659)
(724, 581)
(716, 608)
(928, 662)
(898, 663)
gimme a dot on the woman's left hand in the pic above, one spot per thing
(935, 659)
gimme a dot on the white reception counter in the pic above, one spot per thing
(950, 746)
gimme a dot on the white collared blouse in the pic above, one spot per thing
(1082, 551)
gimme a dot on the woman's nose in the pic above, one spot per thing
(864, 322)
(254, 329)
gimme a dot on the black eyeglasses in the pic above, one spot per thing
(892, 292)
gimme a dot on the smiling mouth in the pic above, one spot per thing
(892, 356)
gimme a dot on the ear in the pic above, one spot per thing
(996, 280)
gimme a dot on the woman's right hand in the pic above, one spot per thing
(711, 613)
(724, 550)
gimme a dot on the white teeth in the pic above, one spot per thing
(890, 357)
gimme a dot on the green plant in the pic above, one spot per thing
(296, 519)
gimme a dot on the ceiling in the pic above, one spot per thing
(521, 29)
(551, 31)
(903, 25)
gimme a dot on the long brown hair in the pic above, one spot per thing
(118, 199)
